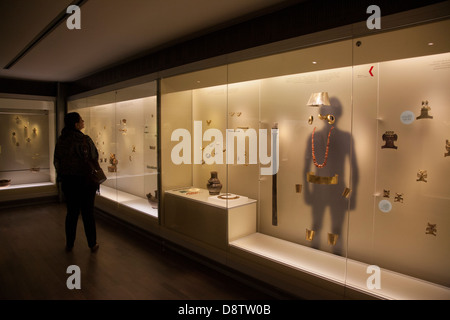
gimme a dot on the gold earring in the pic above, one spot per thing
(330, 119)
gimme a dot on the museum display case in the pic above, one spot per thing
(123, 125)
(27, 140)
(332, 161)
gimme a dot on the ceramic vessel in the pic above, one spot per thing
(214, 186)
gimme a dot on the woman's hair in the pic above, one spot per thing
(70, 119)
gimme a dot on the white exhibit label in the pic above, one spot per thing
(385, 206)
(407, 117)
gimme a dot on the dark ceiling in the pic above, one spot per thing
(123, 39)
(111, 31)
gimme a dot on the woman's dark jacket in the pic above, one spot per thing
(69, 156)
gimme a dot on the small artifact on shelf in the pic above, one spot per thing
(214, 186)
(5, 182)
(228, 196)
(113, 161)
(190, 190)
(422, 175)
(153, 199)
(424, 111)
(431, 229)
(389, 137)
(386, 193)
(447, 147)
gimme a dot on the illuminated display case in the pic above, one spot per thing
(353, 189)
(27, 135)
(123, 125)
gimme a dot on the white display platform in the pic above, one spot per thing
(203, 196)
(28, 185)
(129, 200)
(35, 190)
(394, 285)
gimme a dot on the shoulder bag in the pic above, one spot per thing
(95, 172)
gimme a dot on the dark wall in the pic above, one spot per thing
(299, 19)
(28, 87)
(302, 17)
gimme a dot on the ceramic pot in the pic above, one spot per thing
(214, 186)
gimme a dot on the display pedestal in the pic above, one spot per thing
(193, 212)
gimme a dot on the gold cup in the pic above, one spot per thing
(310, 234)
(332, 238)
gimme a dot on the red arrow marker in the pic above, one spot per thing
(370, 71)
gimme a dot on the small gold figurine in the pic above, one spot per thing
(398, 197)
(386, 193)
(390, 137)
(422, 175)
(424, 111)
(431, 229)
(113, 161)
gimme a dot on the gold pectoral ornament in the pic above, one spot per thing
(312, 178)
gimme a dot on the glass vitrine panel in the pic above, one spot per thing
(123, 126)
(401, 131)
(27, 133)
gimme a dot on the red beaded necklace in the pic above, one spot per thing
(326, 151)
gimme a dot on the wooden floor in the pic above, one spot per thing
(33, 264)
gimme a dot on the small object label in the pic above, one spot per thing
(385, 206)
(407, 117)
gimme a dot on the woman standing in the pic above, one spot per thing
(71, 151)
